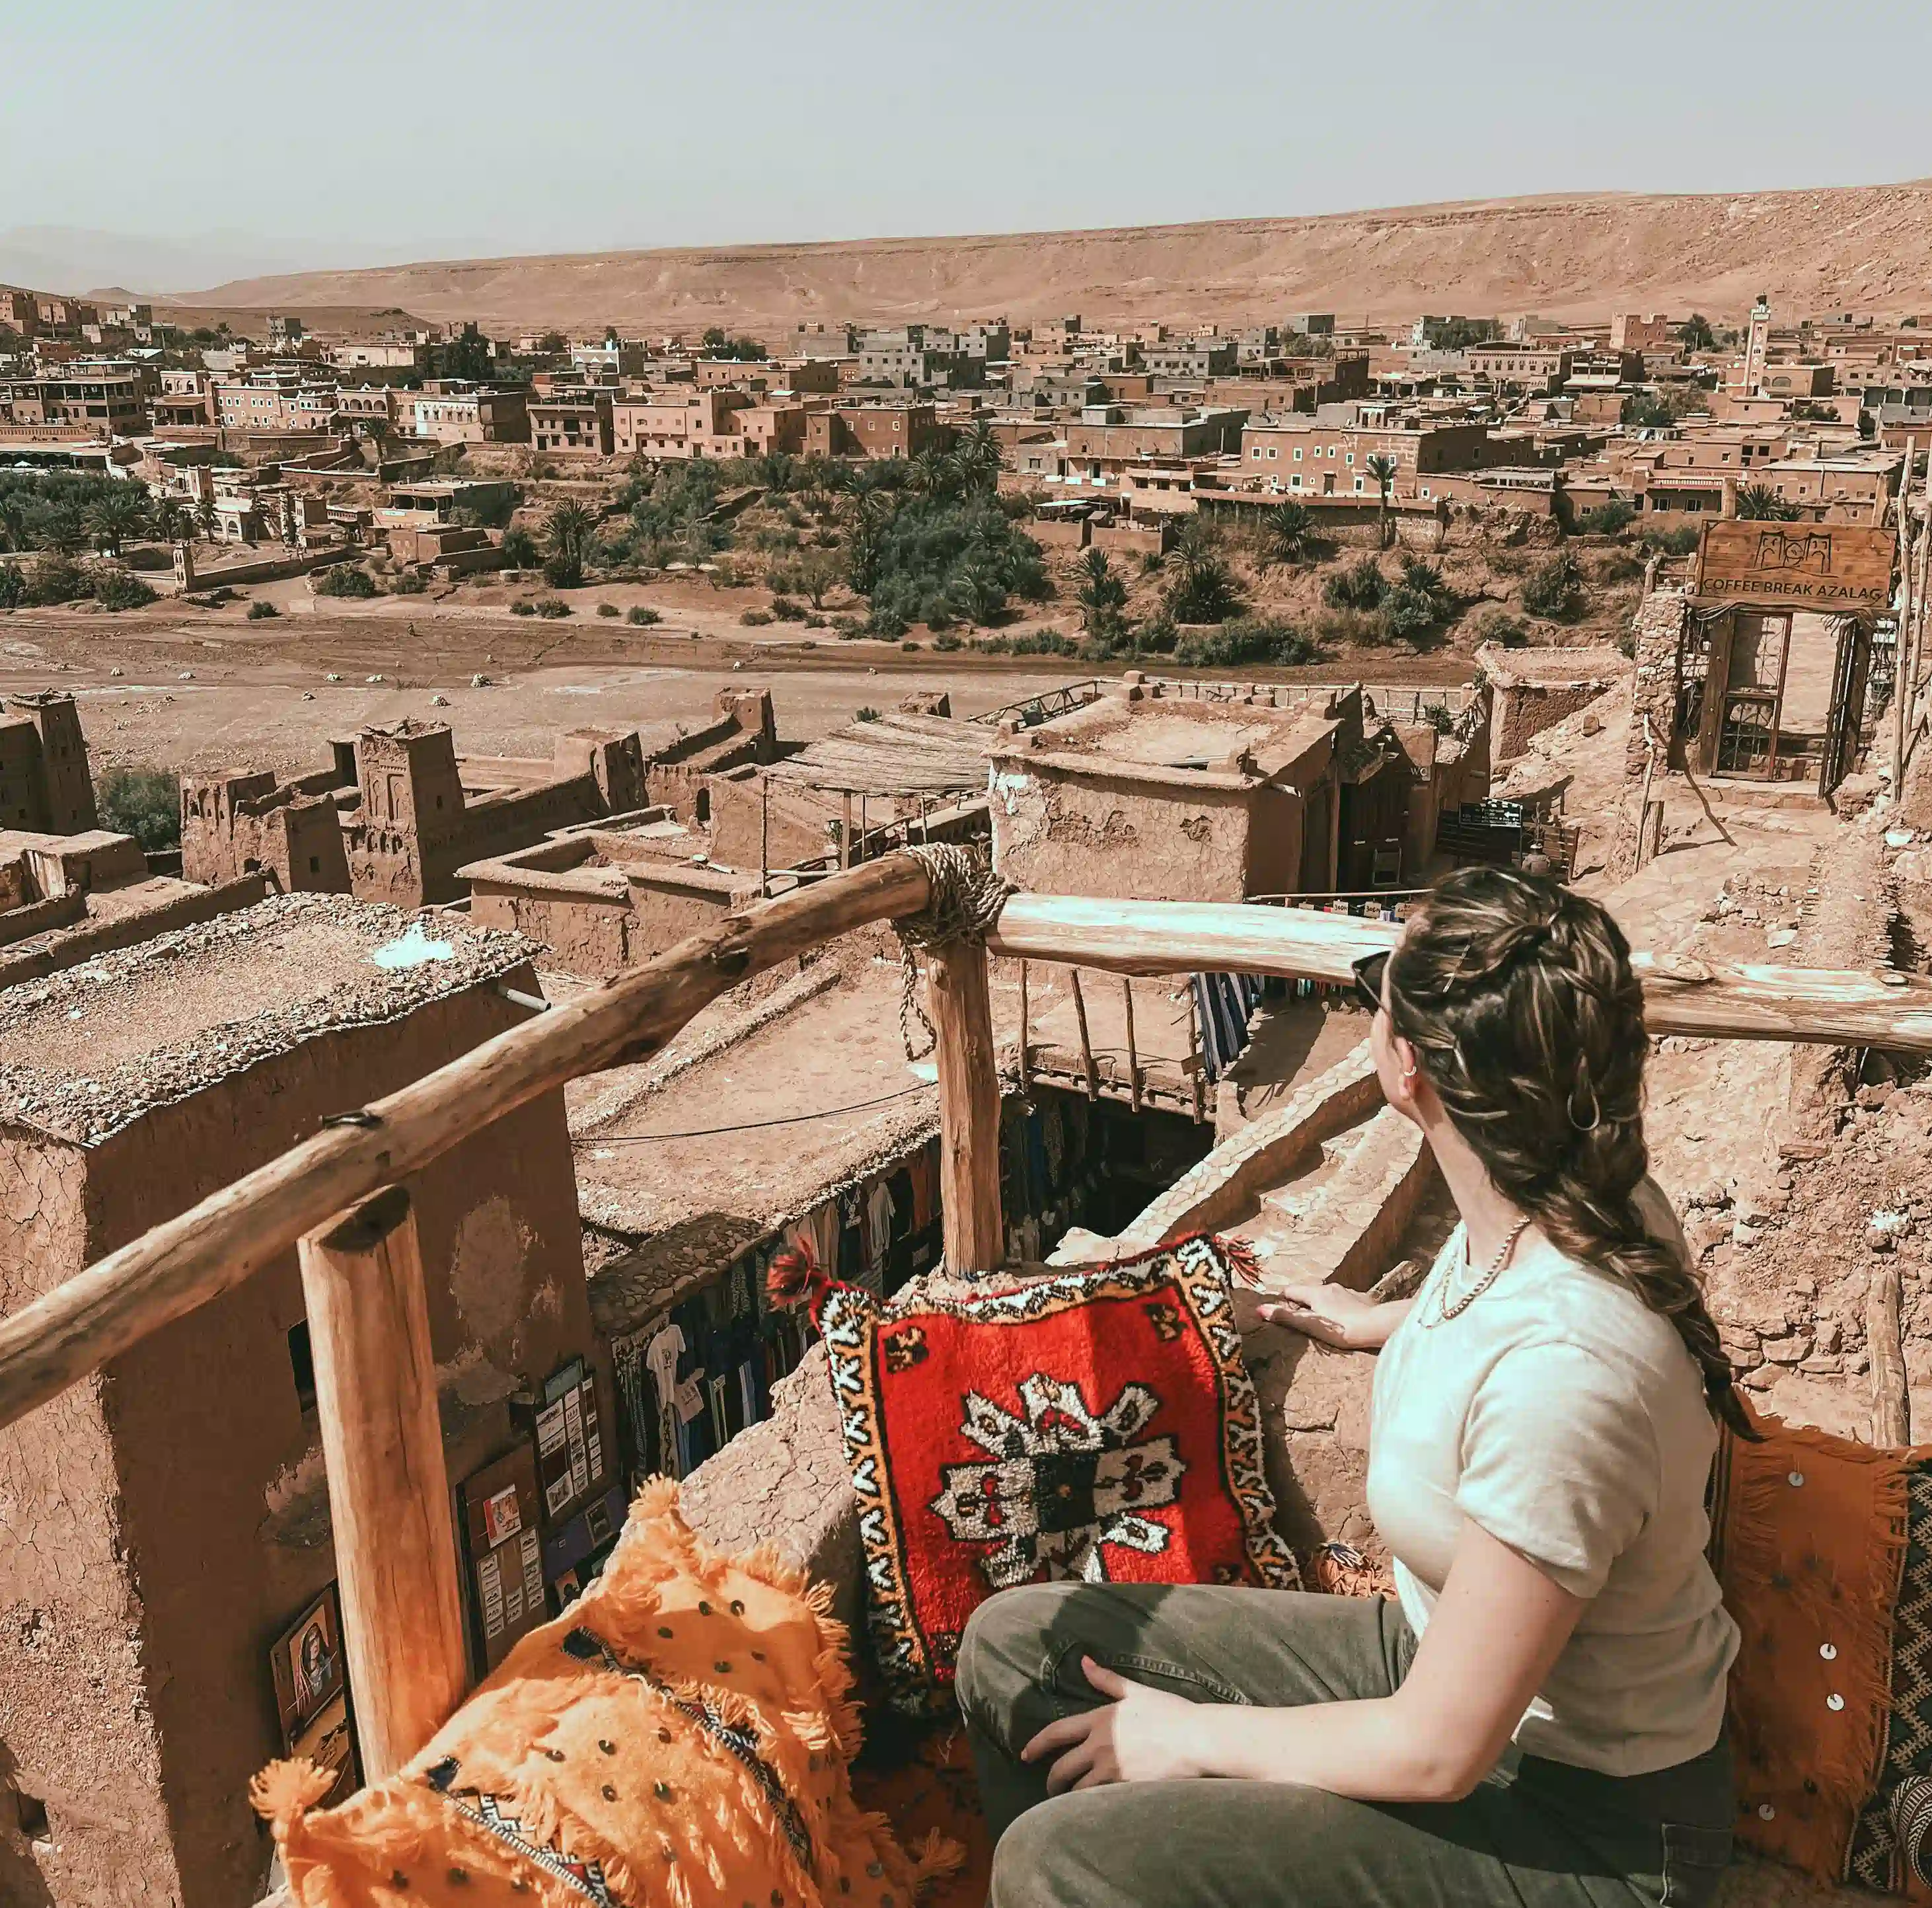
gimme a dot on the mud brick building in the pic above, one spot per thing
(407, 811)
(45, 785)
(162, 1523)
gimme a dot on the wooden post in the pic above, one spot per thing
(1194, 1051)
(1901, 683)
(1086, 1044)
(388, 1492)
(1892, 1413)
(1026, 1036)
(764, 836)
(845, 831)
(1133, 1055)
(864, 827)
(962, 1007)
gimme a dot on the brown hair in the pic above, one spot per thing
(1518, 997)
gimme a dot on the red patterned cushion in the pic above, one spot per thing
(1098, 1424)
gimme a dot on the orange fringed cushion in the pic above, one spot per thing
(1809, 1537)
(682, 1734)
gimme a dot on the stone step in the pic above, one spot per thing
(1344, 1224)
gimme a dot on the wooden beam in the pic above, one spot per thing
(388, 1492)
(1133, 1052)
(1891, 1408)
(1194, 1063)
(1714, 1000)
(172, 1268)
(962, 1007)
(1086, 1045)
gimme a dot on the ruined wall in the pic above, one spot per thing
(1658, 632)
(1275, 842)
(233, 825)
(76, 1734)
(216, 1457)
(585, 933)
(1527, 709)
(1105, 832)
(797, 822)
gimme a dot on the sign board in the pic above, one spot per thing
(504, 1563)
(1834, 569)
(307, 1667)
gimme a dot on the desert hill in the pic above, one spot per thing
(1858, 247)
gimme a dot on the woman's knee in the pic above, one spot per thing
(1004, 1651)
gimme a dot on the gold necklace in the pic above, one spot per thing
(1446, 1311)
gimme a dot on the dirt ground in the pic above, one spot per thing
(177, 687)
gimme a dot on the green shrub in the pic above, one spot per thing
(1201, 588)
(13, 585)
(786, 610)
(55, 578)
(868, 713)
(1555, 589)
(1506, 631)
(1246, 639)
(550, 607)
(347, 580)
(642, 616)
(608, 609)
(1608, 519)
(754, 619)
(145, 803)
(909, 645)
(947, 642)
(519, 549)
(1041, 642)
(1680, 542)
(522, 606)
(813, 620)
(930, 558)
(410, 583)
(1361, 586)
(116, 589)
(261, 610)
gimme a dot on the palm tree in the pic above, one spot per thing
(207, 518)
(13, 520)
(976, 591)
(1102, 594)
(1761, 503)
(1285, 533)
(116, 515)
(169, 518)
(567, 534)
(979, 457)
(65, 531)
(1383, 469)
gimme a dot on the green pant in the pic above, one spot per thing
(1541, 1834)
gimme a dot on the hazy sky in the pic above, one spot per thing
(225, 138)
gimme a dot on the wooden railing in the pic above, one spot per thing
(339, 1196)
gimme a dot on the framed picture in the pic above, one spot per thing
(325, 1739)
(307, 1667)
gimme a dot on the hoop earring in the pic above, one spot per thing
(1409, 1073)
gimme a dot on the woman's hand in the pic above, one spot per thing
(1334, 1315)
(1140, 1735)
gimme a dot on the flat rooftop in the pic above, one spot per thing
(85, 1052)
(1170, 732)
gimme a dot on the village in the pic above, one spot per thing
(386, 702)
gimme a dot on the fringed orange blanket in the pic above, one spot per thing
(681, 1736)
(1809, 1536)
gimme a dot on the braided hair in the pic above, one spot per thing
(1518, 997)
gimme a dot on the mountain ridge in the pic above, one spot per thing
(1862, 247)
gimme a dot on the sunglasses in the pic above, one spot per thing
(1368, 972)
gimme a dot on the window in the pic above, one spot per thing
(1273, 451)
(1296, 480)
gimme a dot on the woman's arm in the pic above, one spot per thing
(1497, 1628)
(1334, 1315)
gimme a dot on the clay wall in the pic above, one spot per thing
(797, 822)
(1106, 831)
(1526, 710)
(1658, 634)
(501, 825)
(233, 825)
(66, 787)
(216, 1456)
(586, 933)
(77, 1733)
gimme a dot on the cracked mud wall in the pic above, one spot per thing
(75, 1732)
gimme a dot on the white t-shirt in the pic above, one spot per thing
(1567, 1418)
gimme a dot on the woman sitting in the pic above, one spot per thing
(1539, 1718)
